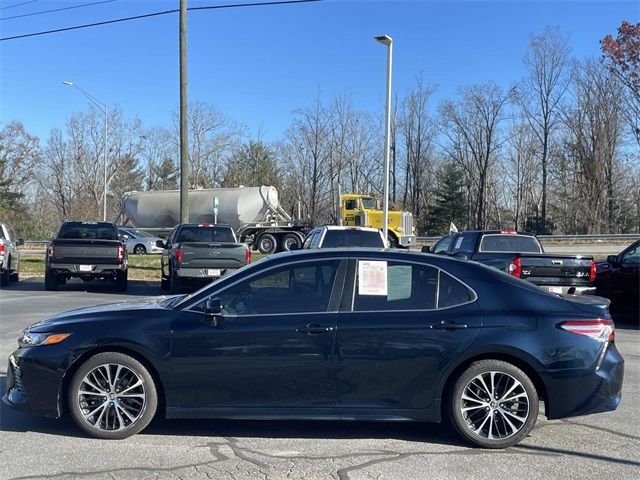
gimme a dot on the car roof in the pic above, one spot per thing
(339, 227)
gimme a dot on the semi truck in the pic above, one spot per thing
(255, 214)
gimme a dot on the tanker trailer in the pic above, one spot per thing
(254, 213)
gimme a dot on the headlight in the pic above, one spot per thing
(32, 339)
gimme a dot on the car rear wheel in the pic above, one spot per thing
(267, 244)
(4, 278)
(175, 283)
(112, 396)
(121, 281)
(288, 241)
(493, 404)
(139, 250)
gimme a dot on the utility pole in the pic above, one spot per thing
(184, 134)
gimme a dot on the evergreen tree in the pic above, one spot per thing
(449, 202)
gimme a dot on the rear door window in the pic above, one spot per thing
(464, 243)
(205, 234)
(384, 286)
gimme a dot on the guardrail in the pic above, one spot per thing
(605, 237)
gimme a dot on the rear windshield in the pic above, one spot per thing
(89, 231)
(205, 234)
(509, 243)
(352, 238)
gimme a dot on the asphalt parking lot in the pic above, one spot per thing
(599, 446)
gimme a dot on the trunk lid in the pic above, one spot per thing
(213, 255)
(83, 251)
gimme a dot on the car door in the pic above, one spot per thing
(396, 339)
(627, 278)
(273, 346)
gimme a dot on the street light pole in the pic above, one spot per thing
(388, 41)
(102, 106)
(184, 132)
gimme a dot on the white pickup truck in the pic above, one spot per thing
(9, 255)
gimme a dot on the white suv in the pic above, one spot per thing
(336, 237)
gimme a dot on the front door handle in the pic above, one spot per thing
(313, 328)
(444, 325)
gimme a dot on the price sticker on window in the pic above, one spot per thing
(372, 277)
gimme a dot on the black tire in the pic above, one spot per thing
(524, 402)
(267, 244)
(175, 283)
(140, 249)
(5, 276)
(15, 275)
(288, 240)
(142, 417)
(121, 281)
(50, 280)
(393, 242)
(164, 284)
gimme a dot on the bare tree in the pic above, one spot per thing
(541, 93)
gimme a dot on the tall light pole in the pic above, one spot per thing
(102, 106)
(184, 133)
(388, 41)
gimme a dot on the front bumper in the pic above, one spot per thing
(35, 378)
(407, 241)
(583, 393)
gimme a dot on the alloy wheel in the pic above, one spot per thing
(111, 397)
(495, 405)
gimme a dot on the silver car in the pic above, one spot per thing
(9, 255)
(139, 242)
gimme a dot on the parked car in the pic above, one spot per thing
(139, 242)
(619, 277)
(9, 255)
(197, 253)
(521, 255)
(334, 237)
(357, 334)
(86, 250)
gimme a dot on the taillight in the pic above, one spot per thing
(515, 267)
(592, 271)
(3, 249)
(247, 256)
(51, 252)
(179, 255)
(599, 329)
(120, 253)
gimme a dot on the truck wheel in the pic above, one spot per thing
(164, 284)
(288, 241)
(393, 242)
(50, 280)
(267, 244)
(15, 276)
(4, 278)
(121, 281)
(175, 283)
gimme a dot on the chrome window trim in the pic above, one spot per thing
(293, 262)
(271, 314)
(439, 270)
(480, 250)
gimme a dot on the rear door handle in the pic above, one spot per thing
(449, 326)
(313, 328)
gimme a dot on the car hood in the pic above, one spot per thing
(108, 311)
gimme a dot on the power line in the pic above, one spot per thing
(18, 4)
(156, 14)
(56, 10)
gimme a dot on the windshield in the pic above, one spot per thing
(89, 231)
(510, 243)
(205, 234)
(140, 233)
(369, 203)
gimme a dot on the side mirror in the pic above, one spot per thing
(20, 241)
(212, 312)
(613, 259)
(160, 244)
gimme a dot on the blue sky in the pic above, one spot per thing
(259, 64)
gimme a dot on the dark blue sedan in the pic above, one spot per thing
(354, 334)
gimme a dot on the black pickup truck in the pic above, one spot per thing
(86, 250)
(521, 255)
(200, 253)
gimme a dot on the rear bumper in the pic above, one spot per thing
(584, 393)
(568, 289)
(203, 273)
(74, 270)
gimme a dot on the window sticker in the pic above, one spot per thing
(399, 282)
(458, 243)
(372, 277)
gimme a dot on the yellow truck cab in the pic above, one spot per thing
(362, 211)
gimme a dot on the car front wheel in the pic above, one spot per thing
(493, 404)
(112, 396)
